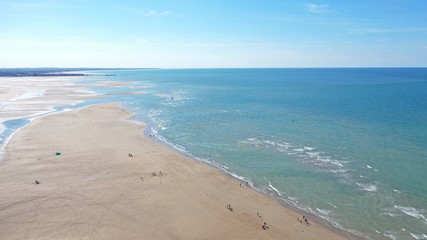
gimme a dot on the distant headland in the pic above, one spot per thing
(52, 72)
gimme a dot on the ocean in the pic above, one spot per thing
(347, 145)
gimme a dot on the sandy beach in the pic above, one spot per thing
(101, 178)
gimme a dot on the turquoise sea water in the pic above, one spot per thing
(348, 145)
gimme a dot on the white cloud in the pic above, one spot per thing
(153, 13)
(145, 12)
(317, 8)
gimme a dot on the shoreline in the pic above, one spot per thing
(159, 146)
(279, 199)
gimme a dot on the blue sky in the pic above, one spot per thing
(220, 33)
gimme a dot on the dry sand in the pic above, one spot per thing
(94, 190)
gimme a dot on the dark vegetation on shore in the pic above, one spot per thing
(40, 72)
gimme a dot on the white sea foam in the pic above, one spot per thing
(411, 211)
(390, 214)
(299, 149)
(333, 205)
(291, 153)
(293, 199)
(274, 189)
(310, 148)
(313, 154)
(368, 186)
(324, 211)
(239, 177)
(154, 116)
(338, 171)
(418, 236)
(391, 236)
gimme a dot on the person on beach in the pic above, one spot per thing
(265, 227)
(229, 207)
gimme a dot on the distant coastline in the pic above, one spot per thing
(53, 72)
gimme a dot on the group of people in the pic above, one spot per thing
(305, 219)
(264, 226)
(246, 183)
(154, 174)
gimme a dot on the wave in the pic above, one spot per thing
(390, 214)
(418, 236)
(321, 160)
(304, 153)
(391, 236)
(367, 186)
(333, 205)
(324, 211)
(370, 167)
(275, 189)
(309, 148)
(154, 116)
(411, 211)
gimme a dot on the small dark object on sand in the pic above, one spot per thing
(36, 182)
(265, 227)
(229, 207)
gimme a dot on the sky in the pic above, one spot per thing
(213, 34)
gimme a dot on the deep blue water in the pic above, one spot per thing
(348, 145)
